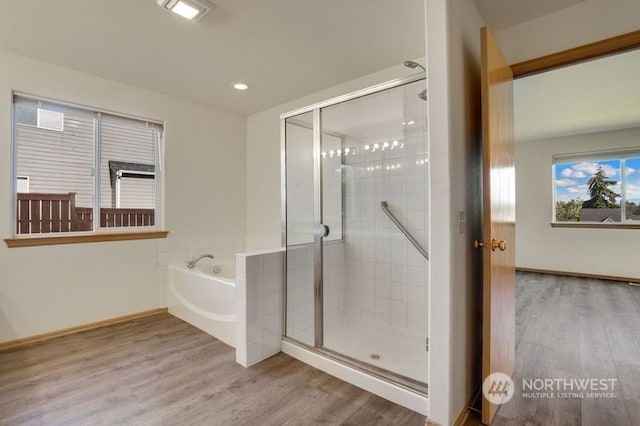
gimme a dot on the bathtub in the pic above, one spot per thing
(204, 299)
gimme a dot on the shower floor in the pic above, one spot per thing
(398, 351)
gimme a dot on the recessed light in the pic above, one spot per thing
(184, 10)
(240, 86)
(192, 10)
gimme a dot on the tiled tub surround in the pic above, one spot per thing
(259, 305)
(176, 249)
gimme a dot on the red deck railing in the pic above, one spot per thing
(39, 213)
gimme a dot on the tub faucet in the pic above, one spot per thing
(191, 263)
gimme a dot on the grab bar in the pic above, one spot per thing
(385, 208)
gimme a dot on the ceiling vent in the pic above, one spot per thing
(192, 10)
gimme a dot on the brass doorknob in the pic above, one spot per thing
(495, 244)
(478, 244)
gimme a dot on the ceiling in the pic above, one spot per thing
(501, 14)
(590, 97)
(283, 49)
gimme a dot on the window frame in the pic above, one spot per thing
(98, 233)
(620, 155)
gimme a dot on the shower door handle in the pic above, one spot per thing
(323, 231)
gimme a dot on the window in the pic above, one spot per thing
(632, 189)
(81, 170)
(22, 184)
(597, 188)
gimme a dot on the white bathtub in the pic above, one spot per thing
(204, 300)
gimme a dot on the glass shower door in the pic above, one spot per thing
(374, 277)
(356, 286)
(300, 227)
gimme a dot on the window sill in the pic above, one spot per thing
(84, 238)
(595, 225)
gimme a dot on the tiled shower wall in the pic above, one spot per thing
(386, 275)
(300, 285)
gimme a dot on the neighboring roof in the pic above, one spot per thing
(600, 215)
(116, 166)
(604, 215)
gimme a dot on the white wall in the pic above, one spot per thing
(585, 22)
(48, 288)
(610, 252)
(453, 47)
(453, 61)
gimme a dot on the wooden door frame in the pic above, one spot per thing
(587, 52)
(606, 47)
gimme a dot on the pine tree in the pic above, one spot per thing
(602, 197)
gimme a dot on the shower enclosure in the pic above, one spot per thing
(355, 209)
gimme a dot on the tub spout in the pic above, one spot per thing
(191, 263)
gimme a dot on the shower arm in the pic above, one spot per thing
(385, 208)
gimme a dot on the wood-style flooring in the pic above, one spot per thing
(162, 371)
(570, 327)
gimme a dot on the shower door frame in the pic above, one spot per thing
(318, 326)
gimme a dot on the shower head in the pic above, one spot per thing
(414, 65)
(423, 95)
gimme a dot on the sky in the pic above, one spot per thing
(571, 178)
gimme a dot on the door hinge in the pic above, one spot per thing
(427, 347)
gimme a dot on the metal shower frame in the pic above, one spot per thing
(318, 348)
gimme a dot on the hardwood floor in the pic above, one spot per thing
(570, 327)
(162, 371)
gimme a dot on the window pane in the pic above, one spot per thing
(55, 168)
(127, 183)
(588, 191)
(26, 114)
(632, 188)
(51, 120)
